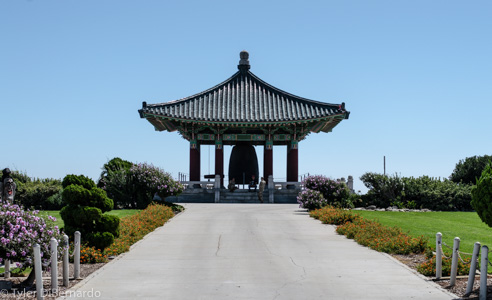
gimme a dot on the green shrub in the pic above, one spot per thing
(468, 171)
(81, 218)
(134, 185)
(54, 202)
(100, 240)
(35, 193)
(109, 223)
(82, 180)
(85, 205)
(100, 200)
(421, 192)
(116, 181)
(383, 190)
(20, 177)
(482, 196)
(75, 194)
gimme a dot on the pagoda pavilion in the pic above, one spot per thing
(244, 111)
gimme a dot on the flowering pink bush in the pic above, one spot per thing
(149, 180)
(20, 230)
(333, 191)
(311, 199)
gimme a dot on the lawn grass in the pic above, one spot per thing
(115, 212)
(465, 225)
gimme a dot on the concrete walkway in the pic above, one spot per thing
(253, 251)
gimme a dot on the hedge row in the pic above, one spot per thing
(421, 192)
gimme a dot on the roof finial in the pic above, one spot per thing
(244, 62)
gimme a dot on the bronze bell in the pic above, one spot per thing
(243, 164)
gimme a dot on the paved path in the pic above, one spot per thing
(253, 251)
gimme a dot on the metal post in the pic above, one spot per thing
(6, 273)
(76, 256)
(473, 269)
(54, 264)
(454, 261)
(438, 255)
(65, 260)
(38, 272)
(384, 165)
(483, 273)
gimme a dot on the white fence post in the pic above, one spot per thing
(76, 256)
(54, 264)
(65, 260)
(38, 272)
(473, 269)
(454, 261)
(6, 273)
(438, 255)
(483, 273)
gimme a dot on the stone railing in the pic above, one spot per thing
(206, 185)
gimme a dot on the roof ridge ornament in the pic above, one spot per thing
(244, 62)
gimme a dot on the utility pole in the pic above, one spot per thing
(384, 165)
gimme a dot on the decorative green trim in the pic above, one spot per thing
(193, 144)
(294, 144)
(269, 145)
(244, 137)
(241, 124)
(205, 137)
(282, 137)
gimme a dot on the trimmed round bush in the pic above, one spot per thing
(75, 194)
(100, 200)
(100, 240)
(85, 205)
(110, 224)
(82, 180)
(82, 218)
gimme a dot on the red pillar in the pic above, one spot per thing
(292, 162)
(194, 161)
(219, 162)
(267, 161)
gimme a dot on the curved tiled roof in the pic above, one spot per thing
(244, 98)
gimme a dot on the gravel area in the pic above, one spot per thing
(20, 293)
(459, 288)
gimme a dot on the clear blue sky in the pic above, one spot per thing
(416, 76)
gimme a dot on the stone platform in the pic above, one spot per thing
(201, 195)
